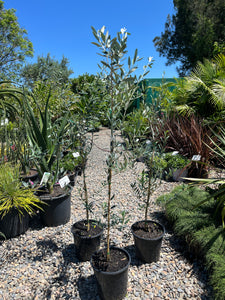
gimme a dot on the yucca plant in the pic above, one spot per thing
(13, 195)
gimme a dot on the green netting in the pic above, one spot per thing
(147, 85)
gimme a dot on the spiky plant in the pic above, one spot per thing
(13, 195)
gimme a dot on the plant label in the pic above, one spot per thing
(175, 152)
(196, 158)
(45, 178)
(64, 181)
(76, 154)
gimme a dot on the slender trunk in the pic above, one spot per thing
(86, 198)
(149, 190)
(109, 205)
(110, 162)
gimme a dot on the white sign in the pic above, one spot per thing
(76, 154)
(196, 157)
(64, 181)
(45, 178)
(175, 152)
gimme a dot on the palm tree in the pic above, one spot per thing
(203, 92)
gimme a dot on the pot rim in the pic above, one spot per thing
(116, 272)
(87, 237)
(149, 239)
(48, 197)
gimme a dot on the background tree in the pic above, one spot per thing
(191, 33)
(14, 44)
(91, 97)
(46, 69)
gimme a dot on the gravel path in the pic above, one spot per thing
(41, 264)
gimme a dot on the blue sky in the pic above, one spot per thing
(64, 28)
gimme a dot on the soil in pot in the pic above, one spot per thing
(86, 241)
(148, 237)
(112, 276)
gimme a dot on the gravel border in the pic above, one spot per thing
(42, 263)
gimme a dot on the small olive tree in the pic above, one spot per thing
(122, 88)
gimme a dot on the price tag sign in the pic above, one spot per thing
(64, 181)
(196, 158)
(45, 178)
(76, 154)
(175, 152)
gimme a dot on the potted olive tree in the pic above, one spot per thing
(87, 232)
(46, 139)
(148, 234)
(111, 264)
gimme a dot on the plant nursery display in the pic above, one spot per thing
(148, 234)
(17, 203)
(111, 264)
(175, 166)
(46, 138)
(87, 233)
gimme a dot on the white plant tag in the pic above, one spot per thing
(76, 154)
(64, 181)
(45, 178)
(196, 158)
(175, 152)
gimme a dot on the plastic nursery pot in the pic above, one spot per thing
(179, 173)
(112, 285)
(86, 243)
(147, 248)
(13, 224)
(57, 210)
(32, 176)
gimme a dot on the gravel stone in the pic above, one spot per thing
(42, 264)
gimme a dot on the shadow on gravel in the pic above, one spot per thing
(87, 288)
(134, 261)
(180, 246)
(46, 248)
(69, 254)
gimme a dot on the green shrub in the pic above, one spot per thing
(200, 226)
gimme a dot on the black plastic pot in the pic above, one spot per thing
(57, 210)
(13, 224)
(112, 285)
(86, 245)
(148, 249)
(32, 177)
